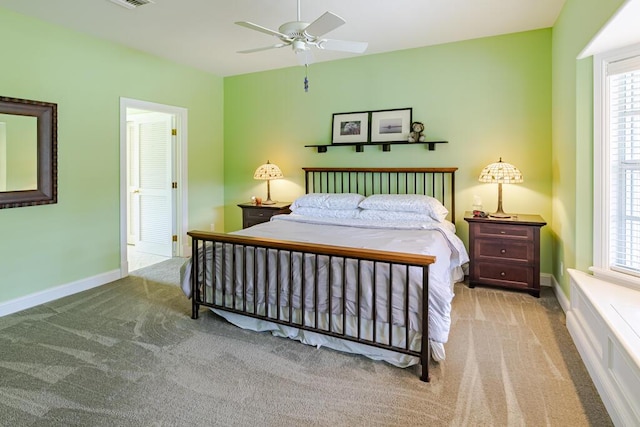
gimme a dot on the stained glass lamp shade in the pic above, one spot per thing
(268, 171)
(500, 173)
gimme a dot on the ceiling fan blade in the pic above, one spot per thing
(262, 29)
(324, 24)
(343, 45)
(258, 49)
(305, 57)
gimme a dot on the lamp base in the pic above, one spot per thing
(268, 201)
(500, 215)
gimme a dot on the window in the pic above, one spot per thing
(617, 165)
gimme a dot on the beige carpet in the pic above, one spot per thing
(127, 354)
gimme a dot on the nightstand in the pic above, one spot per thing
(253, 214)
(505, 252)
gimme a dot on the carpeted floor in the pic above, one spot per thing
(128, 354)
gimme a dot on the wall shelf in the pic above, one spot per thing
(386, 146)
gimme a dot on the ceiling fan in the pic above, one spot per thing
(302, 36)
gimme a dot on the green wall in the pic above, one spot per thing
(79, 237)
(488, 97)
(572, 155)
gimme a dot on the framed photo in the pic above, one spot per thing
(391, 125)
(350, 128)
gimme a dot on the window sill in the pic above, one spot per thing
(621, 279)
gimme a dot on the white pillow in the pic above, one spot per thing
(328, 201)
(406, 203)
(327, 213)
(395, 215)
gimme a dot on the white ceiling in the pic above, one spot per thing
(202, 33)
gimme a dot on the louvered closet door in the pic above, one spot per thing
(154, 201)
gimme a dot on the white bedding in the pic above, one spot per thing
(428, 238)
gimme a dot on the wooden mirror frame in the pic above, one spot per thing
(46, 114)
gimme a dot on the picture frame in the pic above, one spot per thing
(350, 128)
(391, 125)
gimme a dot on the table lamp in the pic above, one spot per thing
(500, 173)
(268, 171)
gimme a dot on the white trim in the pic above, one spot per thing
(620, 30)
(182, 161)
(590, 358)
(546, 279)
(601, 159)
(565, 303)
(617, 278)
(600, 167)
(607, 343)
(48, 295)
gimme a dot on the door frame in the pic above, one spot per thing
(181, 163)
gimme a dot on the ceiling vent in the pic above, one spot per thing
(131, 4)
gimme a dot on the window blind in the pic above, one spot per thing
(623, 79)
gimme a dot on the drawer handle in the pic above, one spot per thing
(502, 274)
(503, 251)
(503, 232)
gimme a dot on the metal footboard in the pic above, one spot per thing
(353, 294)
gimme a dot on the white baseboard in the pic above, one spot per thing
(550, 280)
(560, 295)
(48, 295)
(546, 279)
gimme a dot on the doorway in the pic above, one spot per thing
(153, 183)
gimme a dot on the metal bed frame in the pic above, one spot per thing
(228, 264)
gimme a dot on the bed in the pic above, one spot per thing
(347, 269)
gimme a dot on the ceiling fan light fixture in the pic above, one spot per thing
(299, 46)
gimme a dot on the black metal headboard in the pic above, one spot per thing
(435, 182)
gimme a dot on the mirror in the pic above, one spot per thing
(28, 153)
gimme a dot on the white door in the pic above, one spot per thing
(151, 212)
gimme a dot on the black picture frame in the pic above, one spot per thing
(350, 128)
(391, 125)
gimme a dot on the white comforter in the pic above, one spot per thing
(437, 239)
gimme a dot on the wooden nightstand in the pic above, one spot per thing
(253, 214)
(505, 252)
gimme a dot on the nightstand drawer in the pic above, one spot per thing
(259, 213)
(504, 231)
(253, 214)
(504, 250)
(507, 275)
(251, 222)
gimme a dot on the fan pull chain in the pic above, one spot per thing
(306, 77)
